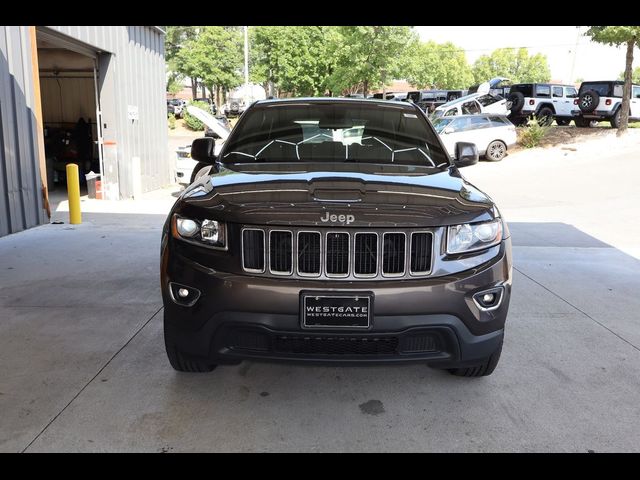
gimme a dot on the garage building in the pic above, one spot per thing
(91, 95)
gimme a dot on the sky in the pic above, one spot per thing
(570, 54)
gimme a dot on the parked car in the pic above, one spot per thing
(493, 135)
(178, 106)
(171, 109)
(429, 100)
(209, 132)
(187, 168)
(400, 97)
(389, 96)
(601, 100)
(234, 107)
(544, 101)
(302, 243)
(473, 104)
(498, 86)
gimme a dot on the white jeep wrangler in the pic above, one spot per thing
(544, 101)
(602, 100)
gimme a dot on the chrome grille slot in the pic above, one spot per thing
(337, 254)
(253, 250)
(421, 246)
(393, 258)
(309, 253)
(366, 254)
(352, 254)
(281, 252)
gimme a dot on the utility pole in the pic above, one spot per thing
(246, 62)
(575, 53)
(384, 84)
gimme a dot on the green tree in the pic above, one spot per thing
(174, 83)
(434, 65)
(635, 75)
(517, 65)
(175, 37)
(293, 59)
(620, 35)
(215, 56)
(367, 56)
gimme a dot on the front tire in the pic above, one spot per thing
(181, 362)
(481, 370)
(496, 151)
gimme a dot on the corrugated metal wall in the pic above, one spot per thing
(20, 189)
(139, 81)
(131, 73)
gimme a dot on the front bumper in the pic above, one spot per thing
(433, 320)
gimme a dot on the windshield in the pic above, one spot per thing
(360, 132)
(441, 123)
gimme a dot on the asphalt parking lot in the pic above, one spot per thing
(83, 367)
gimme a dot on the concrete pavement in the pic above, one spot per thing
(83, 368)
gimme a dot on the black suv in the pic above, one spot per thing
(602, 100)
(335, 231)
(544, 101)
(429, 100)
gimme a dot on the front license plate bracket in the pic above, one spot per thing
(348, 310)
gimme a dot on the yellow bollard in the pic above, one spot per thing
(73, 191)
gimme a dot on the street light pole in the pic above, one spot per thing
(246, 61)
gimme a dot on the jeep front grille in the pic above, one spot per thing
(332, 254)
(280, 248)
(337, 257)
(309, 253)
(253, 250)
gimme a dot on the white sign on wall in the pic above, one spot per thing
(132, 112)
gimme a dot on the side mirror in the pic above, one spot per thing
(466, 154)
(202, 150)
(448, 130)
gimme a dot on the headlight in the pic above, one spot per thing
(205, 232)
(212, 232)
(186, 227)
(470, 237)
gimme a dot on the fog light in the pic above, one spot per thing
(183, 294)
(489, 299)
(486, 298)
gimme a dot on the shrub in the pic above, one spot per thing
(192, 122)
(532, 134)
(172, 122)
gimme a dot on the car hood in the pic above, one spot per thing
(210, 121)
(368, 196)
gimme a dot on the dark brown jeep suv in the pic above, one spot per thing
(335, 231)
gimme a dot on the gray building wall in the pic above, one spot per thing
(131, 73)
(20, 186)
